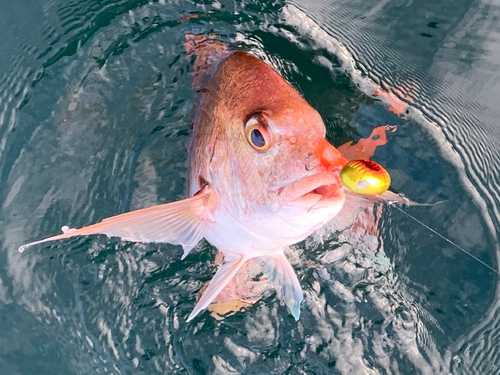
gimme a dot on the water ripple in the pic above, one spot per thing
(95, 121)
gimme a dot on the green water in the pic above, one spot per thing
(95, 104)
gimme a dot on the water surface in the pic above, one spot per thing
(95, 103)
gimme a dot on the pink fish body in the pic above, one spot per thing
(262, 199)
(261, 177)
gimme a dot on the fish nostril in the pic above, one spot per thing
(311, 163)
(310, 166)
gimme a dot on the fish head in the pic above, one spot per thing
(292, 157)
(267, 145)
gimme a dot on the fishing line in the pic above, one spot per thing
(392, 204)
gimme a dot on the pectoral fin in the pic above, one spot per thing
(223, 276)
(278, 269)
(180, 223)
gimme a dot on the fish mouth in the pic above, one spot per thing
(313, 192)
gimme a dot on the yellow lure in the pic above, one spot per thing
(365, 177)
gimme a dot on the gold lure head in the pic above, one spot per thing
(365, 177)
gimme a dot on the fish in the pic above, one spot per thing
(261, 177)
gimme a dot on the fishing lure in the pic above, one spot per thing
(365, 177)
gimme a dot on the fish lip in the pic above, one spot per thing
(325, 186)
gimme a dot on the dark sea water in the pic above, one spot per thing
(95, 104)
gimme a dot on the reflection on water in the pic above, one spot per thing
(95, 102)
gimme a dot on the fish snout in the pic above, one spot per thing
(327, 156)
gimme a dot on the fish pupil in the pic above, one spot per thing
(257, 138)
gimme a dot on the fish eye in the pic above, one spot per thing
(257, 138)
(257, 134)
